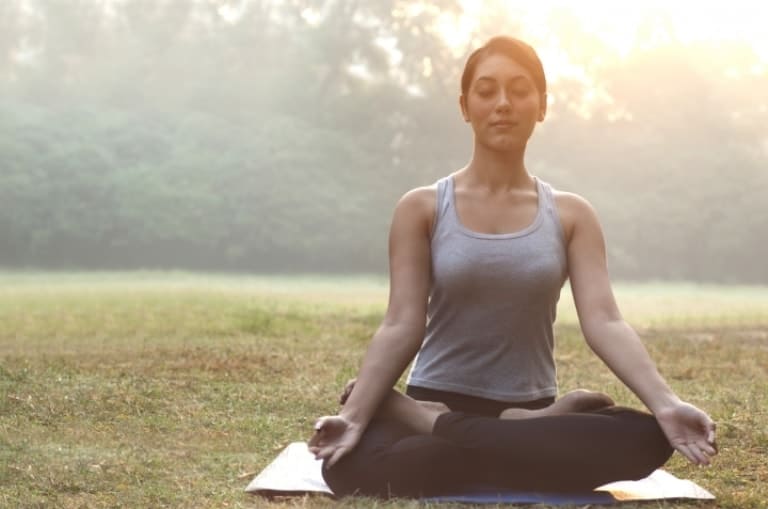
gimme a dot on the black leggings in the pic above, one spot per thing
(470, 450)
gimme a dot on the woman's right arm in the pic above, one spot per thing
(400, 334)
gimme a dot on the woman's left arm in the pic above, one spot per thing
(688, 429)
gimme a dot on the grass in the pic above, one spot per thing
(173, 390)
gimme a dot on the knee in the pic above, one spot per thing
(651, 447)
(344, 478)
(420, 465)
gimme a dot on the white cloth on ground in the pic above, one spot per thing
(296, 471)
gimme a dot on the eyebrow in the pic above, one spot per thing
(516, 78)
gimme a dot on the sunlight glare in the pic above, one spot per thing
(618, 29)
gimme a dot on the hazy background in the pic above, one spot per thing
(276, 136)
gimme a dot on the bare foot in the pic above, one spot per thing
(576, 401)
(347, 391)
(435, 406)
(418, 415)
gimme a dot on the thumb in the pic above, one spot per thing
(711, 434)
(320, 424)
(314, 441)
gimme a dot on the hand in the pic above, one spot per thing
(690, 431)
(334, 437)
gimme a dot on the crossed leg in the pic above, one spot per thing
(415, 448)
(420, 416)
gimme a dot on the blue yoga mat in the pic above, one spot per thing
(517, 497)
(295, 471)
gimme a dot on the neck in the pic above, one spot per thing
(498, 169)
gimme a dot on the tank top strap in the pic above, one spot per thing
(445, 193)
(443, 200)
(548, 199)
(551, 208)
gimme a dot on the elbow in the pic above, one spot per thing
(599, 330)
(403, 332)
(410, 323)
(411, 329)
(590, 330)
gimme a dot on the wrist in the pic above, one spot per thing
(663, 402)
(354, 416)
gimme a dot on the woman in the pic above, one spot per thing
(483, 254)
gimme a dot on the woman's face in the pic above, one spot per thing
(502, 104)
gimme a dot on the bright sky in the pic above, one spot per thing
(572, 36)
(622, 26)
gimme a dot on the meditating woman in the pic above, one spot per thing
(477, 262)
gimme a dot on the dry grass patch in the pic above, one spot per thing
(172, 390)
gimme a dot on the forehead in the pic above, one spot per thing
(500, 68)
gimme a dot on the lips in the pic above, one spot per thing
(503, 123)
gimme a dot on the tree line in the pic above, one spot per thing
(279, 137)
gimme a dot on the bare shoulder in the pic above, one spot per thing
(571, 202)
(417, 206)
(420, 197)
(574, 210)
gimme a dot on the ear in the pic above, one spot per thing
(463, 106)
(542, 107)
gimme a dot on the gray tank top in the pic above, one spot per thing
(492, 305)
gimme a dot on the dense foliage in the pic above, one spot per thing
(176, 134)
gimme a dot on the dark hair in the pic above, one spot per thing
(515, 49)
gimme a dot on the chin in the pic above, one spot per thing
(506, 145)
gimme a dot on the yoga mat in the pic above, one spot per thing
(296, 472)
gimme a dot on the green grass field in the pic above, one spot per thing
(154, 389)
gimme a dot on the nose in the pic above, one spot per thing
(503, 103)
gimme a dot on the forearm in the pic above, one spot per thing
(391, 349)
(619, 346)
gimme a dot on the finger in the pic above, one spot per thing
(707, 448)
(702, 456)
(341, 451)
(316, 440)
(322, 451)
(696, 455)
(319, 433)
(712, 432)
(320, 425)
(686, 452)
